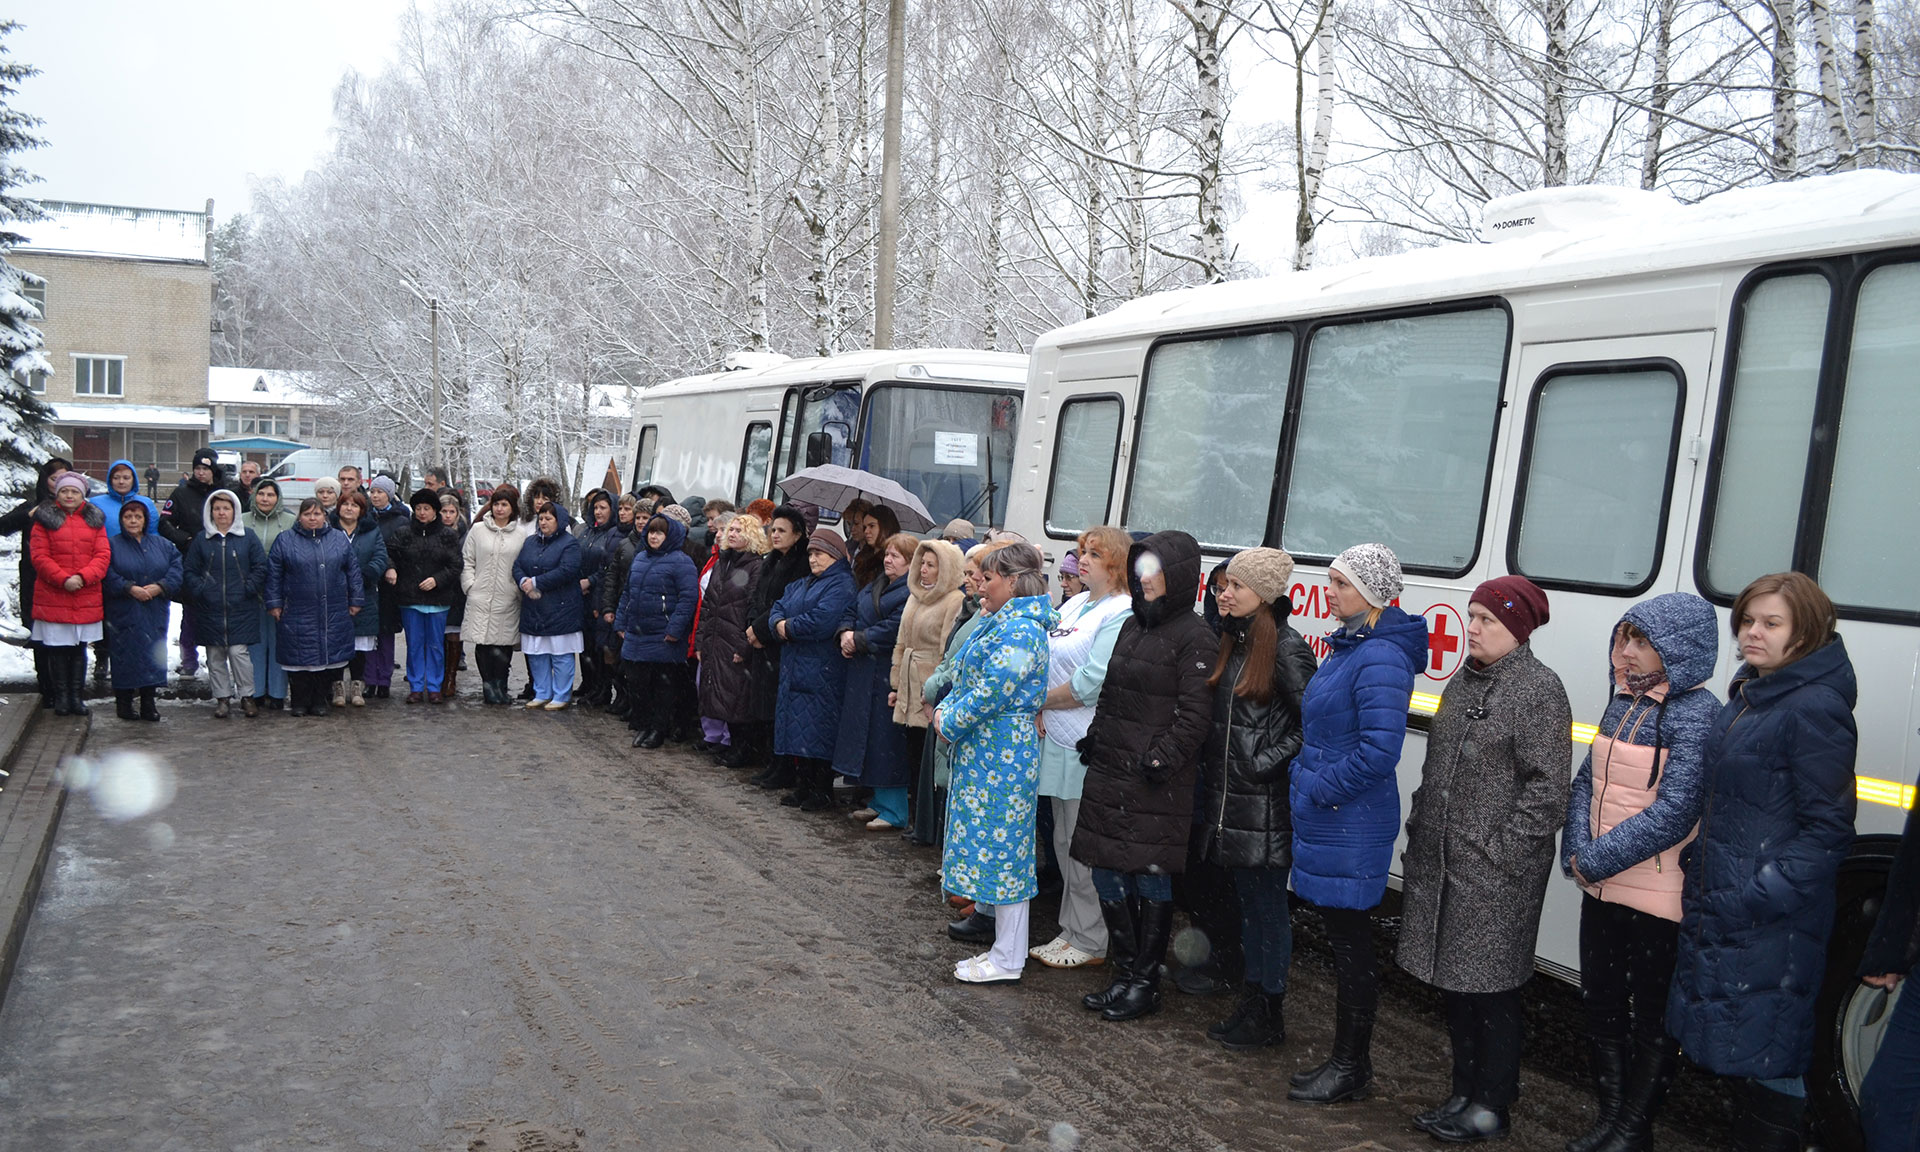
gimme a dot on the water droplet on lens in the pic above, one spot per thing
(1063, 1137)
(160, 836)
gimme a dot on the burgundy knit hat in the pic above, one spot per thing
(1515, 601)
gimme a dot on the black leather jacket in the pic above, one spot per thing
(1244, 819)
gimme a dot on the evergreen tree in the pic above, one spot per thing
(26, 423)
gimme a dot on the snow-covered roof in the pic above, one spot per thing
(610, 400)
(944, 364)
(1822, 214)
(110, 230)
(259, 386)
(132, 416)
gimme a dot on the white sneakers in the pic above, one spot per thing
(1057, 953)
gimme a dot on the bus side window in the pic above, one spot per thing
(1591, 508)
(1086, 441)
(1768, 430)
(643, 459)
(754, 457)
(1872, 542)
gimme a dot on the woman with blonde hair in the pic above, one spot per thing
(720, 636)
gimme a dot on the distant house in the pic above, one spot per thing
(125, 310)
(263, 414)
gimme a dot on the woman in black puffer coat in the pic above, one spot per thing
(1142, 752)
(599, 535)
(426, 560)
(784, 563)
(1245, 823)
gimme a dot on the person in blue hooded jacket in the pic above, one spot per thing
(653, 621)
(551, 607)
(225, 571)
(1758, 905)
(813, 675)
(140, 583)
(1345, 796)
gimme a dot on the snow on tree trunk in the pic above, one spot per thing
(1553, 111)
(1207, 19)
(1827, 63)
(1785, 153)
(1659, 94)
(1866, 111)
(27, 439)
(1310, 156)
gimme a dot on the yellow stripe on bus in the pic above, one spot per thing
(1889, 792)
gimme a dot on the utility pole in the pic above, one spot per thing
(433, 315)
(883, 288)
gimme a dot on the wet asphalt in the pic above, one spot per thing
(480, 929)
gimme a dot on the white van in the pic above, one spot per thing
(296, 474)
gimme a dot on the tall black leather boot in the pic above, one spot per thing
(43, 676)
(59, 681)
(1348, 1072)
(1141, 996)
(1123, 942)
(1609, 1057)
(1642, 1092)
(1767, 1121)
(77, 680)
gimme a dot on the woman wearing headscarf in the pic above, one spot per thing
(870, 748)
(144, 575)
(425, 555)
(355, 514)
(1345, 796)
(327, 491)
(934, 585)
(266, 519)
(813, 676)
(493, 597)
(1493, 791)
(1142, 751)
(989, 720)
(551, 607)
(653, 621)
(19, 521)
(1259, 676)
(314, 590)
(1758, 905)
(1634, 803)
(225, 574)
(1079, 648)
(726, 677)
(71, 554)
(541, 491)
(784, 564)
(123, 487)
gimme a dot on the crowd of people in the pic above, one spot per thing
(1203, 762)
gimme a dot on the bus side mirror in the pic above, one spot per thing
(819, 449)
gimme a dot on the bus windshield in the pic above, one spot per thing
(951, 447)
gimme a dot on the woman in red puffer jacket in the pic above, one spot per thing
(70, 553)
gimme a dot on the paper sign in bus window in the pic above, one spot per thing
(960, 449)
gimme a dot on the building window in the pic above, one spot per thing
(37, 382)
(99, 375)
(257, 424)
(160, 449)
(37, 293)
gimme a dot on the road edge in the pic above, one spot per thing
(31, 749)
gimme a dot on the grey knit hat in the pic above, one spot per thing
(385, 484)
(1373, 569)
(1265, 570)
(676, 512)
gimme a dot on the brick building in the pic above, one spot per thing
(125, 310)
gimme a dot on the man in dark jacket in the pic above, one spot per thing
(785, 562)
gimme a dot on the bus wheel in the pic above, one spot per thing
(1849, 1017)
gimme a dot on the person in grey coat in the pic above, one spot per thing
(1480, 850)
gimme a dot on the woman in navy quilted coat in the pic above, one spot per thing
(813, 675)
(1345, 796)
(1758, 904)
(314, 591)
(552, 607)
(143, 578)
(654, 619)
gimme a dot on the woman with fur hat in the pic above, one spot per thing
(71, 554)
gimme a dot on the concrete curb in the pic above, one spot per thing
(33, 742)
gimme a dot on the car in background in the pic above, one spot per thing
(296, 474)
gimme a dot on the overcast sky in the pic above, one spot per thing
(164, 103)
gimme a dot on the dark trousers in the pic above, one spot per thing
(1266, 926)
(1356, 969)
(1486, 1029)
(1206, 893)
(1626, 965)
(1890, 1096)
(916, 749)
(495, 661)
(655, 692)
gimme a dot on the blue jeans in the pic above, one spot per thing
(1890, 1095)
(269, 679)
(890, 804)
(1115, 886)
(426, 649)
(552, 677)
(1266, 926)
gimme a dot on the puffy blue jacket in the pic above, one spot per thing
(871, 748)
(223, 576)
(663, 589)
(110, 502)
(370, 553)
(313, 577)
(136, 630)
(554, 564)
(1344, 786)
(1759, 899)
(813, 675)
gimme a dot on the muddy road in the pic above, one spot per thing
(468, 928)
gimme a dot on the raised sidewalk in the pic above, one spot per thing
(33, 742)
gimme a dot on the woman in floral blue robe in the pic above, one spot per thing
(989, 719)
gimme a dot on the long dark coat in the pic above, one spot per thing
(1142, 750)
(1244, 818)
(313, 577)
(137, 631)
(726, 687)
(871, 748)
(656, 609)
(390, 522)
(370, 549)
(1493, 792)
(224, 578)
(813, 675)
(778, 571)
(1759, 901)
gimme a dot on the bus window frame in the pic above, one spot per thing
(1844, 273)
(639, 447)
(741, 498)
(863, 417)
(1523, 471)
(1053, 467)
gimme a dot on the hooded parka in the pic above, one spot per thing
(63, 545)
(813, 676)
(182, 516)
(313, 577)
(656, 610)
(553, 563)
(137, 629)
(924, 626)
(110, 502)
(726, 659)
(1244, 819)
(225, 575)
(871, 748)
(1759, 901)
(486, 576)
(1143, 748)
(1493, 791)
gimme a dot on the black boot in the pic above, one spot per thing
(1643, 1089)
(1609, 1057)
(1348, 1072)
(820, 797)
(43, 676)
(1141, 996)
(123, 705)
(1767, 1121)
(77, 680)
(1123, 943)
(149, 709)
(1257, 1023)
(1471, 1125)
(778, 775)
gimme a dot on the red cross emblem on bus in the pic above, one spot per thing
(1446, 639)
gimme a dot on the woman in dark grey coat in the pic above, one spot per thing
(1480, 848)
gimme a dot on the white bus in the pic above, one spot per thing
(939, 421)
(1620, 397)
